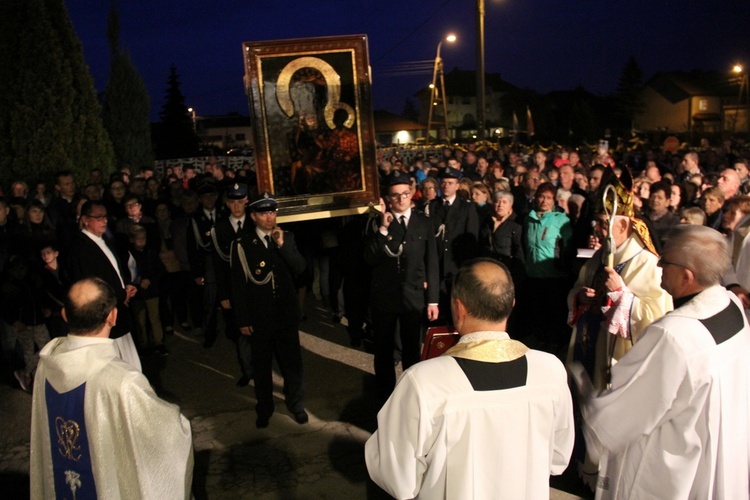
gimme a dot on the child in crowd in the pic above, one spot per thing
(147, 273)
(55, 287)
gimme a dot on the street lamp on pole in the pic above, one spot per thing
(435, 94)
(744, 93)
(192, 114)
(480, 70)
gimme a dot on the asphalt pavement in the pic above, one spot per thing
(319, 460)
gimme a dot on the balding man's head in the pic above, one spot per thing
(690, 162)
(729, 182)
(485, 288)
(88, 305)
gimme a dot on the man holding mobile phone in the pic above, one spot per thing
(263, 263)
(405, 280)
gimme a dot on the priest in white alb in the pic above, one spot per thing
(617, 302)
(98, 430)
(676, 421)
(490, 418)
(612, 303)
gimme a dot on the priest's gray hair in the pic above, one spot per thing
(701, 249)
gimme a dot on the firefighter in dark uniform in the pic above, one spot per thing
(199, 251)
(405, 286)
(224, 232)
(263, 264)
(457, 231)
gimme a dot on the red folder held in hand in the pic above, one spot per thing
(439, 339)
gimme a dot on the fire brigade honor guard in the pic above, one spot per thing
(263, 264)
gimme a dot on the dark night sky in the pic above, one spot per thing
(541, 44)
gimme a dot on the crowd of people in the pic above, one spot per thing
(533, 211)
(633, 276)
(139, 222)
(181, 247)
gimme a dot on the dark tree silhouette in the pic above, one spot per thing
(175, 136)
(126, 104)
(626, 98)
(49, 113)
(410, 111)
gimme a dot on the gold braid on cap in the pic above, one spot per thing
(624, 191)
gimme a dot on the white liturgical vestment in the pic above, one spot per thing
(471, 426)
(676, 423)
(98, 430)
(647, 302)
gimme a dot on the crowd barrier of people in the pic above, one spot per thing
(582, 236)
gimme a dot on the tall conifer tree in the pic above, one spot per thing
(626, 98)
(49, 114)
(126, 103)
(176, 137)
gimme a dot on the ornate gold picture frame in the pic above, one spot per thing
(310, 107)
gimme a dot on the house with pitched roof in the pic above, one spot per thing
(461, 92)
(688, 102)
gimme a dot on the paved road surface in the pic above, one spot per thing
(323, 459)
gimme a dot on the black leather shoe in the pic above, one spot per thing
(262, 422)
(301, 417)
(243, 381)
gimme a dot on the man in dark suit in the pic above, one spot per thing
(405, 279)
(264, 262)
(200, 255)
(457, 230)
(223, 234)
(62, 209)
(92, 255)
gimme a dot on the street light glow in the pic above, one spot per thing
(737, 68)
(434, 94)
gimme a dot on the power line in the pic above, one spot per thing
(408, 68)
(414, 30)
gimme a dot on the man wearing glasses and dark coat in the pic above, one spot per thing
(405, 279)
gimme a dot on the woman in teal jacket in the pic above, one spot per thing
(547, 235)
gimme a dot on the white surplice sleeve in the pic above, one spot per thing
(645, 387)
(396, 453)
(564, 431)
(162, 444)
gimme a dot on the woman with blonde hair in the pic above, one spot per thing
(480, 195)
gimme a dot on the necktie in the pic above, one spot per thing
(210, 217)
(446, 203)
(268, 241)
(239, 226)
(402, 220)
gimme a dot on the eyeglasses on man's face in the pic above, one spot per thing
(403, 196)
(664, 263)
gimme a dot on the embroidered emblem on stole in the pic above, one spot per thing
(71, 455)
